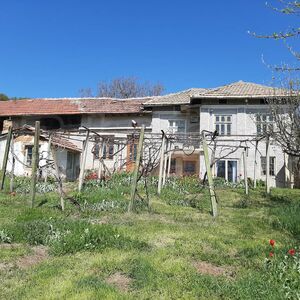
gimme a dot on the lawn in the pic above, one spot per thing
(177, 251)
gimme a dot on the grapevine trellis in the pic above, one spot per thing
(154, 151)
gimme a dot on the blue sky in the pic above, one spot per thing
(54, 48)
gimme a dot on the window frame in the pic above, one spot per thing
(227, 124)
(262, 125)
(28, 161)
(174, 128)
(108, 148)
(226, 163)
(272, 166)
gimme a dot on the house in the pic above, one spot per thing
(67, 118)
(233, 110)
(238, 111)
(67, 153)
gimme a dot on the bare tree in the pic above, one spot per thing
(123, 88)
(285, 108)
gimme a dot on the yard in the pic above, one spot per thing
(177, 251)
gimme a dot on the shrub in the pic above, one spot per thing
(4, 237)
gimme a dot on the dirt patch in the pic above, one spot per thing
(210, 269)
(40, 253)
(119, 280)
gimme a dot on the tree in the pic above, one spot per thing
(3, 97)
(285, 104)
(123, 88)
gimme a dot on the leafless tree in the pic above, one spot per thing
(285, 108)
(123, 88)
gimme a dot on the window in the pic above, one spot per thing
(29, 152)
(189, 167)
(223, 124)
(108, 149)
(263, 161)
(96, 149)
(177, 126)
(173, 166)
(133, 151)
(264, 123)
(227, 169)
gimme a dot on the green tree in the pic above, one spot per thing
(3, 97)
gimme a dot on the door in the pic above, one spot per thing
(131, 154)
(71, 166)
(227, 169)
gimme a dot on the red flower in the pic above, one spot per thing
(271, 254)
(292, 252)
(272, 243)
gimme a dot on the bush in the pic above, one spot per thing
(4, 237)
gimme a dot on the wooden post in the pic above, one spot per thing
(57, 174)
(131, 206)
(255, 165)
(268, 165)
(287, 174)
(169, 162)
(101, 151)
(48, 157)
(245, 171)
(12, 175)
(209, 177)
(35, 162)
(161, 164)
(83, 161)
(5, 157)
(165, 164)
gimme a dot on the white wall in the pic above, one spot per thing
(243, 123)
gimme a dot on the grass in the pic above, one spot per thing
(157, 253)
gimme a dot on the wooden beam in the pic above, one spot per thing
(48, 157)
(5, 157)
(161, 164)
(212, 193)
(268, 165)
(131, 206)
(255, 165)
(169, 161)
(57, 174)
(12, 174)
(245, 171)
(35, 162)
(101, 151)
(83, 161)
(165, 165)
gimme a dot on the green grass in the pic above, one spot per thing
(156, 252)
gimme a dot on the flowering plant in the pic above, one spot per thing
(285, 269)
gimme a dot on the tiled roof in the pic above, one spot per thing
(237, 90)
(64, 143)
(70, 106)
(241, 89)
(183, 97)
(56, 139)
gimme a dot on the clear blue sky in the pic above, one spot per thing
(54, 48)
